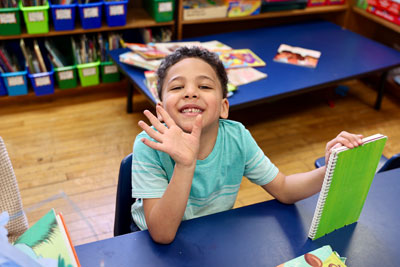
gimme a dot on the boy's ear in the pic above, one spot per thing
(159, 117)
(224, 108)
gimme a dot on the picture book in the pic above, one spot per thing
(297, 56)
(131, 58)
(146, 51)
(240, 58)
(242, 76)
(215, 46)
(49, 241)
(168, 48)
(323, 257)
(151, 83)
(348, 177)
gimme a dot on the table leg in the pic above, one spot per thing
(381, 89)
(129, 99)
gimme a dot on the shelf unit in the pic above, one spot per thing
(377, 19)
(137, 17)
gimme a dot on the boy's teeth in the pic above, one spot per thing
(191, 110)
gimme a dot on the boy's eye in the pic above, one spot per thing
(205, 87)
(176, 87)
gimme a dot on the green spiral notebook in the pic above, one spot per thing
(348, 177)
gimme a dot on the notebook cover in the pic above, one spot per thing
(342, 198)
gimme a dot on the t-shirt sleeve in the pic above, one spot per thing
(258, 168)
(149, 179)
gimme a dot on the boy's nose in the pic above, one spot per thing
(191, 92)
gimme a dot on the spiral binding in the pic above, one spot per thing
(323, 194)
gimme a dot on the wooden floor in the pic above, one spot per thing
(66, 149)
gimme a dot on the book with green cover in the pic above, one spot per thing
(348, 177)
(48, 242)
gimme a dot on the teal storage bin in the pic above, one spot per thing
(15, 82)
(160, 10)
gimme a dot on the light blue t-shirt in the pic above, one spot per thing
(216, 179)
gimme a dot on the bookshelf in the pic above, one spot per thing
(336, 13)
(376, 19)
(136, 18)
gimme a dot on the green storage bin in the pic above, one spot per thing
(9, 21)
(160, 10)
(89, 73)
(36, 18)
(66, 77)
(109, 72)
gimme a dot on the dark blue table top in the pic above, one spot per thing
(345, 55)
(264, 234)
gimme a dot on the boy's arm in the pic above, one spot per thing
(164, 215)
(292, 188)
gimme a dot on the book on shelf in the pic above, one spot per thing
(323, 256)
(132, 58)
(240, 58)
(48, 242)
(241, 76)
(297, 56)
(348, 177)
(39, 56)
(147, 51)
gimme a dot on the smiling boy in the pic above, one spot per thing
(193, 164)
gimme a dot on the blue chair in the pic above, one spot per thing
(384, 164)
(123, 222)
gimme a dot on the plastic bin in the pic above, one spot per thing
(160, 10)
(63, 16)
(42, 83)
(116, 12)
(66, 77)
(89, 73)
(10, 21)
(90, 15)
(36, 18)
(109, 72)
(15, 82)
(3, 90)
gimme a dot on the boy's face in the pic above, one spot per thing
(191, 87)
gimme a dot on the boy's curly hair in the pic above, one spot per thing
(192, 52)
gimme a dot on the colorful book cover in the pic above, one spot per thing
(240, 58)
(347, 180)
(151, 83)
(322, 257)
(242, 76)
(146, 51)
(297, 56)
(134, 59)
(169, 48)
(48, 240)
(215, 46)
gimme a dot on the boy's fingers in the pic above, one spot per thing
(167, 119)
(150, 131)
(152, 144)
(154, 121)
(196, 131)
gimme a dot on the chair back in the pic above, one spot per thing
(10, 198)
(123, 222)
(392, 163)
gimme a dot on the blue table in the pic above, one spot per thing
(264, 234)
(345, 55)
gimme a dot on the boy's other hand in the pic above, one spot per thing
(343, 139)
(171, 139)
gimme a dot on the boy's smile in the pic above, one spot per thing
(191, 88)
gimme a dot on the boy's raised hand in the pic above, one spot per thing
(343, 139)
(171, 139)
